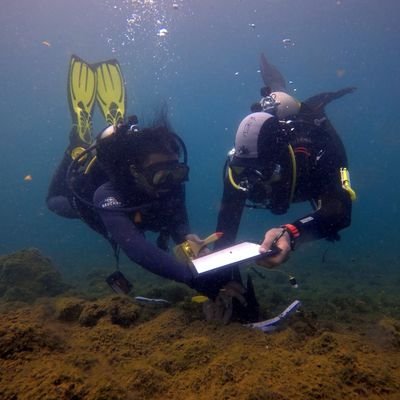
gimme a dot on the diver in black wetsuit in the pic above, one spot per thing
(135, 184)
(127, 181)
(277, 162)
(286, 152)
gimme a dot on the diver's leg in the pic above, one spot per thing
(82, 84)
(318, 102)
(61, 206)
(272, 78)
(59, 194)
(229, 299)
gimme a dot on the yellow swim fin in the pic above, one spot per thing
(111, 95)
(82, 85)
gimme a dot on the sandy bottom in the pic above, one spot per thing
(69, 348)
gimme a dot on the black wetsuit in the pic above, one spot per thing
(319, 154)
(109, 217)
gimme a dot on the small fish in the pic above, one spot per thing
(175, 6)
(28, 178)
(252, 25)
(340, 72)
(46, 43)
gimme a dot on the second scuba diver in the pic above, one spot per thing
(286, 151)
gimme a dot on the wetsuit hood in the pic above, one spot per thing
(260, 163)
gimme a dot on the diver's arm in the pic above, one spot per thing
(230, 214)
(332, 202)
(332, 215)
(139, 250)
(333, 206)
(131, 240)
(59, 194)
(155, 260)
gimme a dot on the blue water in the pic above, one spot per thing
(206, 68)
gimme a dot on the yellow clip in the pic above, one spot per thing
(346, 184)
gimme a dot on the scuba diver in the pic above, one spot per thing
(127, 181)
(286, 151)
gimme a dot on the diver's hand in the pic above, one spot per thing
(192, 237)
(283, 243)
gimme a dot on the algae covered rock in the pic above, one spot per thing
(69, 309)
(91, 314)
(31, 338)
(123, 312)
(118, 310)
(390, 331)
(27, 275)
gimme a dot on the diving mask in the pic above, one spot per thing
(269, 104)
(257, 183)
(164, 175)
